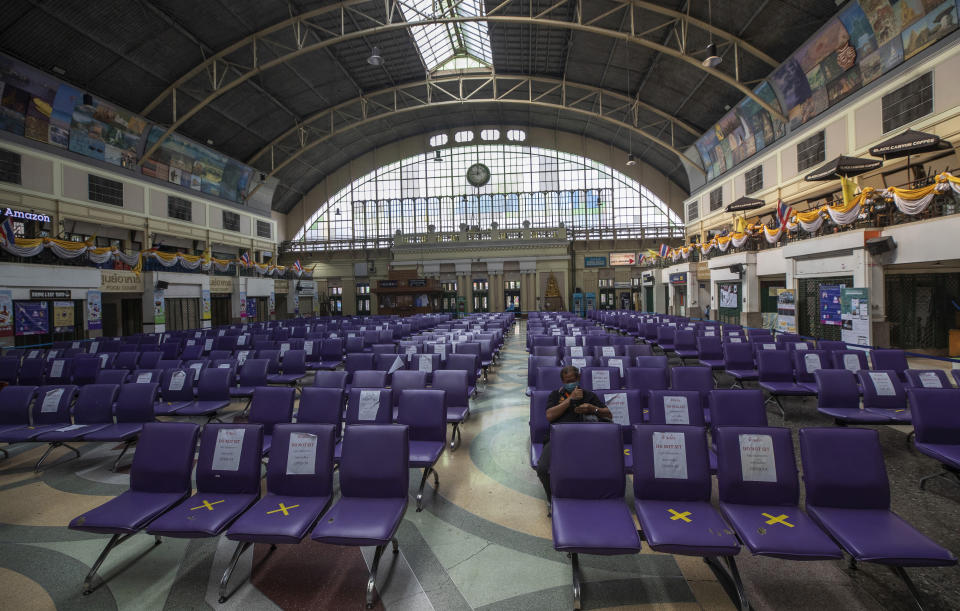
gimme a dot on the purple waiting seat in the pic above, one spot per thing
(357, 361)
(406, 380)
(665, 338)
(626, 407)
(734, 408)
(456, 400)
(145, 376)
(191, 352)
(159, 480)
(694, 378)
(685, 345)
(299, 490)
(675, 407)
(9, 367)
(85, 370)
(176, 391)
(759, 490)
(367, 406)
(15, 402)
(50, 411)
(548, 378)
(469, 363)
(597, 379)
(134, 409)
(213, 394)
(848, 495)
(927, 378)
(884, 395)
(739, 364)
(710, 352)
(590, 515)
(374, 483)
(831, 345)
(271, 405)
(149, 360)
(320, 405)
(228, 483)
(538, 423)
(806, 362)
(294, 369)
(632, 351)
(368, 378)
(673, 501)
(534, 363)
(126, 360)
(253, 375)
(423, 412)
(112, 376)
(889, 359)
(93, 411)
(59, 371)
(775, 375)
(32, 372)
(330, 379)
(839, 398)
(936, 421)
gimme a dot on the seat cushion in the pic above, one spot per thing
(284, 378)
(268, 522)
(425, 453)
(712, 363)
(743, 374)
(670, 529)
(194, 519)
(168, 408)
(854, 414)
(242, 391)
(947, 454)
(360, 521)
(536, 449)
(126, 513)
(457, 414)
(27, 433)
(121, 431)
(203, 408)
(789, 389)
(802, 540)
(589, 526)
(900, 416)
(686, 354)
(901, 545)
(74, 432)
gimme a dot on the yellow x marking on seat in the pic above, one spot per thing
(680, 516)
(206, 504)
(283, 508)
(780, 519)
(626, 451)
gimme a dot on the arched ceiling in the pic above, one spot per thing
(286, 86)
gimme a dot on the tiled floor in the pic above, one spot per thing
(482, 541)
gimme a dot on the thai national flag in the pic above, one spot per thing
(664, 250)
(297, 266)
(6, 231)
(783, 212)
(245, 259)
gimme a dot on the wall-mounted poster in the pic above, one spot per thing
(205, 300)
(159, 308)
(855, 316)
(786, 311)
(106, 132)
(830, 304)
(6, 313)
(273, 303)
(26, 100)
(63, 316)
(729, 295)
(94, 310)
(32, 317)
(251, 309)
(243, 304)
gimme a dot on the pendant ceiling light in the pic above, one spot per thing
(375, 58)
(712, 60)
(437, 157)
(631, 160)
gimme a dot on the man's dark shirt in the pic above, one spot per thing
(559, 395)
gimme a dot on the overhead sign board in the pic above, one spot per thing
(680, 278)
(594, 261)
(623, 258)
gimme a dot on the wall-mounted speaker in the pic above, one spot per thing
(737, 269)
(162, 284)
(881, 245)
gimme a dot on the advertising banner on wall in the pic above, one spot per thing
(243, 304)
(855, 316)
(32, 318)
(786, 311)
(159, 308)
(729, 296)
(63, 316)
(6, 313)
(251, 308)
(594, 261)
(94, 310)
(205, 302)
(273, 303)
(830, 304)
(622, 258)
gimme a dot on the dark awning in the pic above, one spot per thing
(843, 166)
(909, 142)
(745, 203)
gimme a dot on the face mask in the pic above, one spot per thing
(569, 386)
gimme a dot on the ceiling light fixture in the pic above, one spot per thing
(375, 59)
(631, 160)
(712, 60)
(437, 157)
(337, 212)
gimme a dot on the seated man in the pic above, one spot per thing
(569, 403)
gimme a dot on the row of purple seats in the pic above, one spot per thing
(373, 486)
(759, 493)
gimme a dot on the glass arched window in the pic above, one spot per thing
(542, 186)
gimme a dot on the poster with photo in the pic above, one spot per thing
(205, 301)
(159, 308)
(63, 316)
(94, 310)
(855, 316)
(786, 311)
(105, 132)
(729, 295)
(32, 317)
(243, 304)
(26, 100)
(6, 313)
(830, 304)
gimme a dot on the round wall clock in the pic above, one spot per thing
(478, 174)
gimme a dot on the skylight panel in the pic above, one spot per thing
(449, 46)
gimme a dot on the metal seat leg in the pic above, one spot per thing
(576, 580)
(423, 481)
(729, 579)
(242, 546)
(455, 437)
(115, 540)
(53, 446)
(902, 574)
(126, 447)
(372, 582)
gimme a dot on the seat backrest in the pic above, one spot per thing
(548, 378)
(737, 356)
(406, 380)
(805, 362)
(59, 371)
(31, 372)
(843, 467)
(301, 460)
(370, 378)
(685, 340)
(111, 376)
(851, 360)
(9, 366)
(600, 378)
(15, 404)
(535, 362)
(214, 384)
(356, 361)
(665, 334)
(539, 425)
(466, 348)
(369, 406)
(135, 402)
(273, 359)
(253, 372)
(774, 366)
(626, 406)
(229, 459)
(934, 414)
(646, 378)
(423, 411)
(164, 457)
(191, 352)
(651, 361)
(319, 405)
(620, 362)
(736, 408)
(670, 463)
(373, 462)
(895, 360)
(454, 383)
(546, 350)
(691, 378)
(270, 405)
(148, 360)
(52, 405)
(710, 348)
(95, 403)
(388, 361)
(632, 351)
(331, 349)
(126, 359)
(294, 361)
(168, 363)
(675, 407)
(836, 388)
(468, 362)
(177, 385)
(330, 379)
(587, 461)
(882, 389)
(606, 350)
(831, 345)
(756, 466)
(85, 370)
(923, 378)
